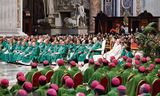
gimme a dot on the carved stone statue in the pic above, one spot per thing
(77, 19)
(81, 15)
(50, 7)
(49, 10)
(70, 22)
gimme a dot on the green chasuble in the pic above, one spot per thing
(71, 51)
(88, 73)
(19, 52)
(26, 51)
(32, 55)
(91, 93)
(61, 53)
(57, 76)
(123, 52)
(5, 92)
(46, 69)
(8, 54)
(16, 51)
(150, 78)
(82, 53)
(15, 88)
(74, 53)
(41, 46)
(156, 68)
(43, 52)
(132, 84)
(96, 46)
(61, 91)
(30, 74)
(64, 90)
(81, 88)
(41, 91)
(128, 54)
(96, 76)
(125, 75)
(113, 92)
(70, 92)
(111, 74)
(73, 71)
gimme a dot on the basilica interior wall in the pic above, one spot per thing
(151, 6)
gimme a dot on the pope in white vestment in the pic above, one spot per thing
(115, 51)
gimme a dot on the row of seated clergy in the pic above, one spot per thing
(72, 70)
(27, 52)
(113, 71)
(96, 88)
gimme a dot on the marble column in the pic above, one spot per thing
(134, 8)
(95, 7)
(102, 5)
(118, 8)
(50, 10)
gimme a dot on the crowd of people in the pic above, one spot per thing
(25, 50)
(118, 73)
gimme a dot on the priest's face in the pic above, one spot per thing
(78, 42)
(53, 43)
(23, 43)
(19, 42)
(34, 44)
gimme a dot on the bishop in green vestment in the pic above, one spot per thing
(46, 68)
(132, 84)
(33, 70)
(42, 90)
(16, 87)
(58, 74)
(4, 91)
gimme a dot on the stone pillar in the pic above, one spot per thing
(134, 8)
(50, 9)
(95, 7)
(102, 5)
(158, 24)
(118, 8)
